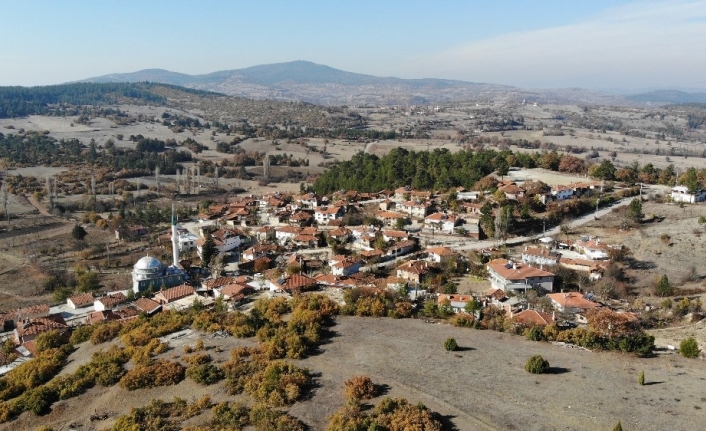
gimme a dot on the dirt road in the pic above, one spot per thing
(40, 208)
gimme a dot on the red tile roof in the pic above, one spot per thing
(147, 305)
(110, 301)
(573, 300)
(533, 318)
(516, 271)
(175, 293)
(39, 325)
(82, 300)
(415, 267)
(232, 290)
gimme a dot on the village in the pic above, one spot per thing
(404, 240)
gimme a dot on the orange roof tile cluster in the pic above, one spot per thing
(454, 298)
(40, 325)
(234, 289)
(516, 271)
(441, 251)
(399, 234)
(420, 267)
(147, 305)
(573, 300)
(213, 283)
(110, 301)
(82, 300)
(533, 318)
(175, 293)
(328, 209)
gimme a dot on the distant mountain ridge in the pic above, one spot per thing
(315, 83)
(323, 85)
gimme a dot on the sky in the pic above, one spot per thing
(594, 44)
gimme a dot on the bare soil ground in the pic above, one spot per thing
(481, 387)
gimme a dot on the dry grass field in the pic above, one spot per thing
(481, 387)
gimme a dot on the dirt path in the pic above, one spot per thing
(40, 208)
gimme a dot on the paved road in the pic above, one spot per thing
(553, 231)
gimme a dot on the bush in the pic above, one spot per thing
(450, 345)
(81, 334)
(161, 373)
(537, 365)
(205, 374)
(641, 378)
(230, 416)
(689, 348)
(278, 384)
(360, 387)
(105, 332)
(535, 333)
(465, 321)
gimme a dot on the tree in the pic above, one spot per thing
(208, 250)
(78, 233)
(360, 388)
(689, 348)
(472, 306)
(663, 288)
(634, 211)
(641, 378)
(86, 281)
(690, 179)
(604, 171)
(537, 365)
(450, 345)
(449, 288)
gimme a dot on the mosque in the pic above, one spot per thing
(150, 272)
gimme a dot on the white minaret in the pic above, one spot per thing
(175, 241)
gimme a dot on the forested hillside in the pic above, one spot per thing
(60, 99)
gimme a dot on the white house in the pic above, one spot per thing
(345, 267)
(508, 275)
(109, 301)
(540, 256)
(593, 249)
(286, 233)
(324, 214)
(561, 192)
(443, 222)
(681, 194)
(416, 209)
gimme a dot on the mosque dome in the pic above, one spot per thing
(148, 267)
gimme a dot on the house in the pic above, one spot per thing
(472, 208)
(508, 275)
(294, 282)
(265, 233)
(340, 234)
(682, 194)
(257, 252)
(148, 306)
(540, 256)
(440, 254)
(224, 240)
(394, 235)
(286, 234)
(562, 192)
(101, 316)
(324, 214)
(305, 241)
(130, 232)
(466, 195)
(80, 301)
(29, 329)
(407, 192)
(301, 219)
(386, 205)
(413, 271)
(215, 283)
(595, 269)
(442, 222)
(572, 302)
(233, 291)
(109, 302)
(308, 200)
(346, 266)
(531, 318)
(11, 320)
(512, 191)
(592, 248)
(416, 209)
(401, 248)
(458, 302)
(390, 218)
(174, 294)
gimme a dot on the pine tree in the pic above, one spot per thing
(208, 250)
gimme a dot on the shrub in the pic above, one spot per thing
(267, 419)
(618, 427)
(50, 340)
(161, 373)
(81, 334)
(105, 332)
(689, 348)
(230, 416)
(450, 345)
(534, 333)
(278, 384)
(465, 321)
(360, 387)
(537, 365)
(641, 378)
(205, 374)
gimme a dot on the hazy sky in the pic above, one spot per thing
(595, 44)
